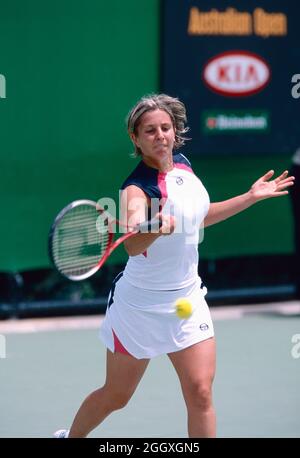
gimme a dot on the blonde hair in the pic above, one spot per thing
(171, 105)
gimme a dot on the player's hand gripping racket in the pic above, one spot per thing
(82, 237)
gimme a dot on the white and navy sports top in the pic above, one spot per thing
(171, 261)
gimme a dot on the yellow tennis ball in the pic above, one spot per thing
(183, 308)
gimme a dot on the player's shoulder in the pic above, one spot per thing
(180, 158)
(182, 162)
(139, 175)
(145, 178)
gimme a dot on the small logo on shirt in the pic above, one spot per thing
(204, 327)
(179, 181)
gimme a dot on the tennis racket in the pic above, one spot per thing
(82, 237)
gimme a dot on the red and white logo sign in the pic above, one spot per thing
(236, 73)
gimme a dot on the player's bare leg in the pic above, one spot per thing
(123, 373)
(195, 367)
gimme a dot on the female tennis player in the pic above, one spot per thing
(140, 322)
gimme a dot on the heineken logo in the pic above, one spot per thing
(226, 121)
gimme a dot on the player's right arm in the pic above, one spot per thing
(134, 210)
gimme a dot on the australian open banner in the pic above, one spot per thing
(234, 65)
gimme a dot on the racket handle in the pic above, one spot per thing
(153, 225)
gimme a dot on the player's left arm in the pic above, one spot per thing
(263, 188)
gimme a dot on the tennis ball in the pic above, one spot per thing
(183, 308)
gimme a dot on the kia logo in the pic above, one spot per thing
(236, 73)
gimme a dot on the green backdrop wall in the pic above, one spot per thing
(72, 70)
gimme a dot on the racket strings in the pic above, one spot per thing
(80, 239)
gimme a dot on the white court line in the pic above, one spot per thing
(238, 311)
(25, 325)
(22, 326)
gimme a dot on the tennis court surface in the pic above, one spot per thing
(48, 366)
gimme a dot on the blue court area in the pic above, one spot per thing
(47, 373)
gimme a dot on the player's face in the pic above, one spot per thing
(155, 135)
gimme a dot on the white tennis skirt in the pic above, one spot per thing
(145, 324)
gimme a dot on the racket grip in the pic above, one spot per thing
(152, 225)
